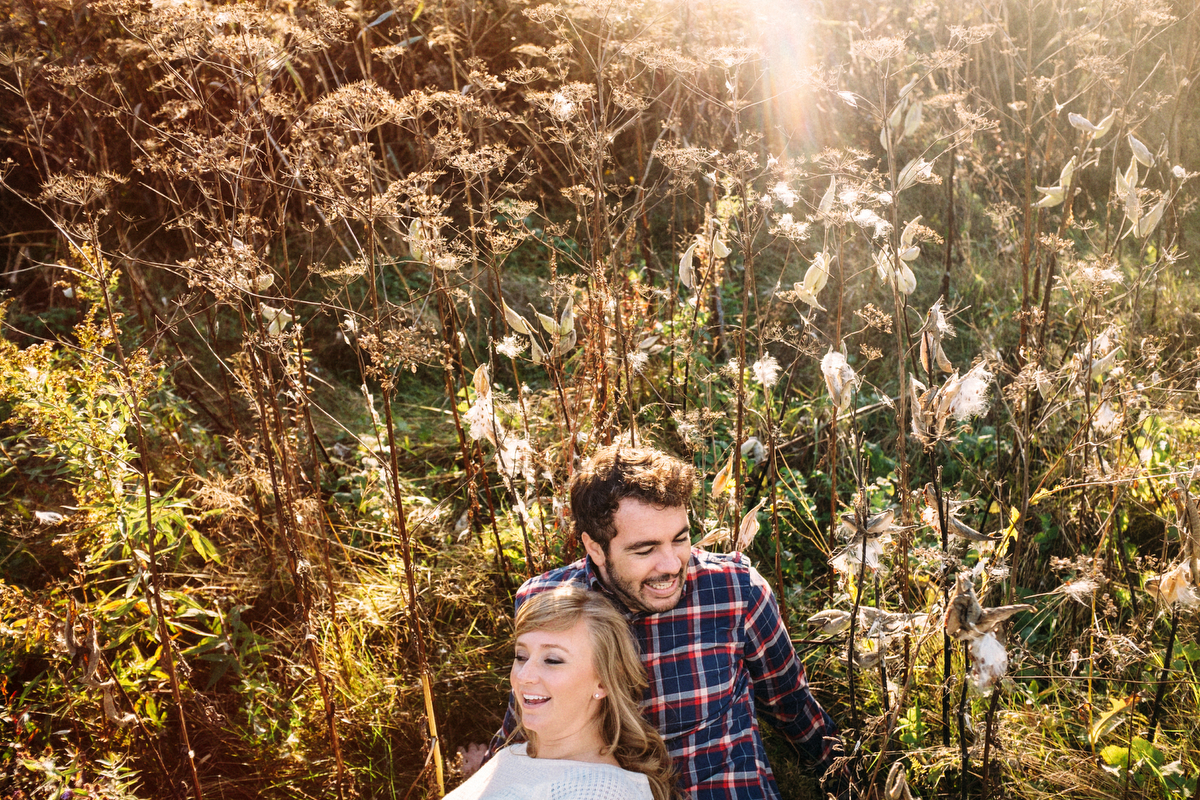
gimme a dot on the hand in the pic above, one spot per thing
(472, 758)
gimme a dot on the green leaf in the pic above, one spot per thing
(203, 547)
(1189, 651)
(1144, 751)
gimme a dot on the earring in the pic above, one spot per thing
(597, 695)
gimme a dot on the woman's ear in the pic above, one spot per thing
(600, 693)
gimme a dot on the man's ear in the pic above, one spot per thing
(593, 549)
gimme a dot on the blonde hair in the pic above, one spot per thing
(631, 739)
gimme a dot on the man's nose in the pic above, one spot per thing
(669, 562)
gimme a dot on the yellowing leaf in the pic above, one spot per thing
(1040, 495)
(1109, 720)
(1115, 755)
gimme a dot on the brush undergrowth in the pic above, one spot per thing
(310, 312)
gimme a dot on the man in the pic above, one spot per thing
(708, 626)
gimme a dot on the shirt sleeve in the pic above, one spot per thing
(781, 693)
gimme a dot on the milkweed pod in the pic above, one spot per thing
(1133, 206)
(1141, 152)
(819, 272)
(720, 249)
(686, 276)
(827, 201)
(1132, 179)
(906, 281)
(1067, 172)
(910, 230)
(276, 318)
(515, 320)
(748, 528)
(565, 343)
(1104, 125)
(536, 353)
(721, 481)
(914, 172)
(549, 324)
(566, 322)
(908, 87)
(1149, 222)
(815, 279)
(1053, 196)
(883, 264)
(913, 119)
(1084, 124)
(897, 115)
(942, 361)
(481, 381)
(712, 537)
(418, 240)
(840, 378)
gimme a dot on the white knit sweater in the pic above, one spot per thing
(512, 775)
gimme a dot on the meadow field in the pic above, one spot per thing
(310, 310)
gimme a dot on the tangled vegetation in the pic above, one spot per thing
(310, 310)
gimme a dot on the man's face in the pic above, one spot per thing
(647, 558)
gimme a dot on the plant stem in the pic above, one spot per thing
(1162, 677)
(130, 396)
(964, 755)
(987, 740)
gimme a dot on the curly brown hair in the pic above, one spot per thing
(628, 735)
(617, 472)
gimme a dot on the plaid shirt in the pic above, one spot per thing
(703, 658)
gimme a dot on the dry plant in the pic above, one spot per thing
(315, 310)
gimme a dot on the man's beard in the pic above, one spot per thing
(629, 595)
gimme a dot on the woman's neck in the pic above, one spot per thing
(584, 746)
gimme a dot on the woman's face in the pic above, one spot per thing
(555, 683)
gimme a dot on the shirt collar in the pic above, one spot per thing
(596, 583)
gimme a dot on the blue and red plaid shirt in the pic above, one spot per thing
(714, 660)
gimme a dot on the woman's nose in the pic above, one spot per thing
(525, 672)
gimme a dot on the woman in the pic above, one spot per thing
(577, 680)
